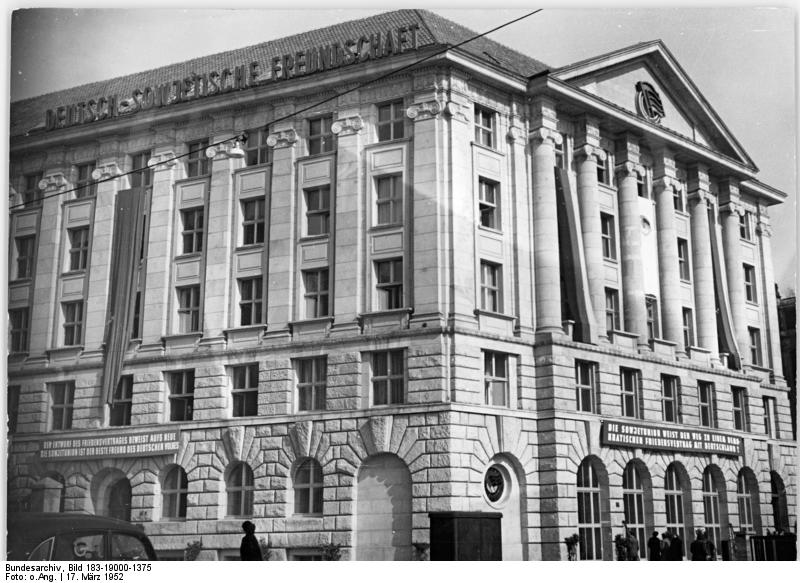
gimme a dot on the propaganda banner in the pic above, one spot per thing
(112, 445)
(658, 437)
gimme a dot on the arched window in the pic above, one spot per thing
(711, 507)
(780, 512)
(174, 491)
(589, 524)
(308, 488)
(633, 498)
(240, 486)
(673, 496)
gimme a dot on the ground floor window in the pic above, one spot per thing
(590, 538)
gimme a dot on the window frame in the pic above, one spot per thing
(318, 215)
(62, 402)
(741, 421)
(390, 292)
(489, 207)
(120, 408)
(496, 371)
(79, 241)
(392, 123)
(244, 390)
(25, 247)
(630, 384)
(12, 402)
(652, 313)
(771, 429)
(192, 233)
(756, 347)
(256, 149)
(322, 141)
(485, 120)
(253, 229)
(705, 403)
(312, 389)
(31, 193)
(613, 310)
(394, 201)
(239, 482)
(85, 186)
(684, 260)
(181, 385)
(141, 175)
(175, 496)
(19, 329)
(603, 166)
(608, 235)
(189, 313)
(491, 281)
(392, 378)
(314, 486)
(687, 318)
(197, 163)
(589, 496)
(745, 226)
(750, 283)
(316, 298)
(671, 398)
(73, 314)
(587, 391)
(251, 298)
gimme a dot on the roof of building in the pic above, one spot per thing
(433, 30)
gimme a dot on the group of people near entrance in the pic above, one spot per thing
(670, 547)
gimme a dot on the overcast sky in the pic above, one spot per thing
(741, 57)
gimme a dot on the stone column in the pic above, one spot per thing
(348, 237)
(771, 338)
(586, 157)
(630, 232)
(705, 305)
(282, 236)
(730, 210)
(664, 186)
(225, 159)
(547, 274)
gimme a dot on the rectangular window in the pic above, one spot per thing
(85, 185)
(670, 398)
(489, 203)
(677, 200)
(73, 323)
(256, 150)
(121, 402)
(739, 395)
(62, 399)
(312, 376)
(770, 419)
(141, 174)
(491, 288)
(318, 210)
(251, 301)
(688, 327)
(245, 390)
(586, 385)
(181, 395)
(26, 250)
(391, 121)
(484, 126)
(196, 161)
(745, 222)
(641, 185)
(18, 330)
(32, 195)
(603, 172)
(192, 234)
(651, 308)
(630, 385)
(253, 221)
(389, 278)
(708, 416)
(495, 378)
(189, 309)
(750, 283)
(684, 267)
(316, 293)
(755, 346)
(388, 377)
(137, 316)
(558, 150)
(612, 310)
(78, 248)
(13, 408)
(609, 235)
(320, 137)
(389, 201)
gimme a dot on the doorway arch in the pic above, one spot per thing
(111, 494)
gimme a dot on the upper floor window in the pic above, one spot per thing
(32, 194)
(316, 292)
(137, 316)
(609, 235)
(13, 408)
(750, 283)
(641, 185)
(253, 221)
(389, 278)
(484, 126)
(651, 308)
(73, 322)
(678, 200)
(745, 222)
(495, 378)
(26, 251)
(62, 400)
(389, 201)
(612, 310)
(489, 203)
(85, 185)
(189, 308)
(312, 375)
(320, 136)
(755, 346)
(174, 493)
(245, 390)
(603, 164)
(770, 418)
(181, 395)
(196, 160)
(670, 398)
(388, 377)
(121, 402)
(630, 385)
(141, 174)
(78, 248)
(491, 287)
(251, 301)
(688, 327)
(684, 268)
(240, 487)
(193, 228)
(708, 413)
(318, 210)
(18, 319)
(559, 151)
(586, 385)
(740, 420)
(256, 150)
(308, 488)
(391, 121)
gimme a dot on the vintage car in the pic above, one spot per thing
(54, 536)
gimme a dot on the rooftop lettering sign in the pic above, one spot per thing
(695, 440)
(111, 445)
(238, 77)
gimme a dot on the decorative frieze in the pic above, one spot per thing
(282, 139)
(347, 126)
(421, 111)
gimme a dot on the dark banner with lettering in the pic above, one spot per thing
(111, 445)
(655, 437)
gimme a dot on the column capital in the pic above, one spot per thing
(347, 126)
(162, 160)
(228, 149)
(425, 110)
(106, 171)
(701, 196)
(587, 151)
(543, 134)
(628, 170)
(53, 182)
(763, 228)
(663, 183)
(282, 139)
(732, 207)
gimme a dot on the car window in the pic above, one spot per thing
(42, 552)
(79, 547)
(127, 547)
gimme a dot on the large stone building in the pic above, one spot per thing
(435, 283)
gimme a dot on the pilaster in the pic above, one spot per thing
(731, 210)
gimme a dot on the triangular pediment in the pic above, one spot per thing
(616, 77)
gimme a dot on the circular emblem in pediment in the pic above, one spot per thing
(648, 102)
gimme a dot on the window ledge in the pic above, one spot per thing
(495, 322)
(487, 148)
(64, 353)
(241, 335)
(249, 247)
(74, 273)
(490, 230)
(183, 340)
(384, 319)
(386, 227)
(314, 238)
(189, 256)
(311, 326)
(20, 282)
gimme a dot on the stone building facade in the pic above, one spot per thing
(326, 287)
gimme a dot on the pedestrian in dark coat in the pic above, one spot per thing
(698, 547)
(654, 548)
(675, 548)
(250, 550)
(633, 546)
(711, 550)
